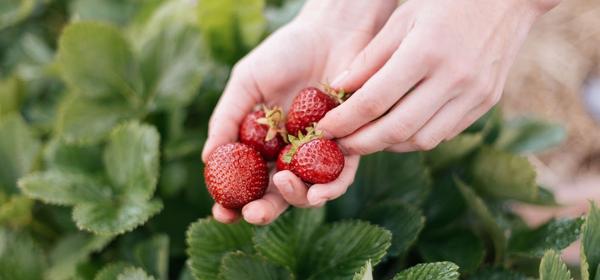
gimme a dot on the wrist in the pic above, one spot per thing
(355, 12)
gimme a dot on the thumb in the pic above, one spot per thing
(238, 99)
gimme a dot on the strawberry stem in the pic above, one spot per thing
(273, 118)
(311, 134)
(339, 95)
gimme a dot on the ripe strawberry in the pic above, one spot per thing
(281, 164)
(314, 159)
(236, 174)
(261, 131)
(309, 106)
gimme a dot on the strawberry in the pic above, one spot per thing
(236, 174)
(281, 164)
(314, 159)
(261, 131)
(309, 106)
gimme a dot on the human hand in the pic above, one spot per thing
(324, 38)
(433, 69)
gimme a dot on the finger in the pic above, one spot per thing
(376, 53)
(402, 122)
(224, 215)
(474, 114)
(403, 71)
(442, 123)
(291, 188)
(467, 121)
(238, 99)
(319, 193)
(265, 210)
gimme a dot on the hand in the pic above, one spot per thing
(433, 69)
(324, 38)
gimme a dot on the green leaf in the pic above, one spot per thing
(403, 177)
(365, 273)
(71, 251)
(342, 248)
(460, 247)
(172, 55)
(18, 150)
(426, 271)
(238, 265)
(450, 152)
(526, 135)
(230, 27)
(12, 12)
(545, 197)
(482, 212)
(115, 11)
(64, 188)
(403, 220)
(590, 242)
(208, 241)
(132, 273)
(114, 217)
(503, 175)
(498, 274)
(153, 256)
(16, 212)
(20, 257)
(10, 95)
(555, 234)
(288, 240)
(445, 202)
(96, 61)
(111, 271)
(83, 120)
(131, 159)
(553, 268)
(73, 157)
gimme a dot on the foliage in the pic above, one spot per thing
(104, 107)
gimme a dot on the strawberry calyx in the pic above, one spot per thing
(339, 95)
(296, 142)
(273, 119)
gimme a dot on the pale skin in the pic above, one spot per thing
(421, 73)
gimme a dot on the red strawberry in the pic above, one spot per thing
(281, 163)
(236, 174)
(314, 159)
(261, 130)
(309, 106)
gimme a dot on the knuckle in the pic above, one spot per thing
(462, 76)
(432, 55)
(427, 142)
(357, 149)
(492, 100)
(369, 108)
(400, 132)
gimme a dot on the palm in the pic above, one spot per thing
(294, 58)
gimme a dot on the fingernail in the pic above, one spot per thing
(315, 199)
(339, 79)
(287, 187)
(254, 216)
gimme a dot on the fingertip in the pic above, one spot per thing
(255, 213)
(291, 188)
(223, 214)
(320, 193)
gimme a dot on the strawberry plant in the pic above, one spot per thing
(104, 106)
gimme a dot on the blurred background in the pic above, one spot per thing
(557, 77)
